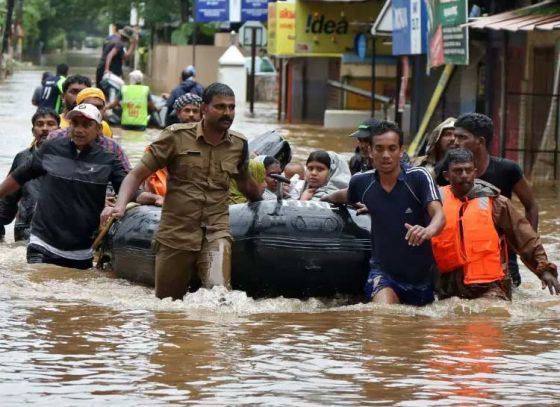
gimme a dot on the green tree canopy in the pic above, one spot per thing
(45, 19)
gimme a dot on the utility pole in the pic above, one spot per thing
(252, 76)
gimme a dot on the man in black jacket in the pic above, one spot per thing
(187, 85)
(75, 171)
(21, 204)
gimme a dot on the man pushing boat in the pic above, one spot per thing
(201, 158)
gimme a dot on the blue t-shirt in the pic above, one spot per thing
(51, 93)
(389, 211)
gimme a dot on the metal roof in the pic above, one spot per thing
(544, 16)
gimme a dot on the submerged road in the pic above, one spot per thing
(81, 338)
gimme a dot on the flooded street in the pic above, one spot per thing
(82, 338)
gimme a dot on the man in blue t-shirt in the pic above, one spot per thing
(51, 95)
(406, 212)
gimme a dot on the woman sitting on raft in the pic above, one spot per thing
(272, 167)
(326, 172)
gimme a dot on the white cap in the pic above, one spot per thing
(87, 110)
(136, 77)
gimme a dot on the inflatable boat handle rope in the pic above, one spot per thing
(105, 228)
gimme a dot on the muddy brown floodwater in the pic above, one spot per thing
(73, 338)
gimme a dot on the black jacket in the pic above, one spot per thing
(21, 204)
(72, 191)
(187, 86)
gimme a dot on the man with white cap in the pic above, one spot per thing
(76, 171)
(187, 85)
(136, 103)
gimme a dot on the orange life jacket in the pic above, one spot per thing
(157, 182)
(469, 239)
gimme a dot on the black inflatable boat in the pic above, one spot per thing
(289, 248)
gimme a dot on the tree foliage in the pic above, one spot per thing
(45, 19)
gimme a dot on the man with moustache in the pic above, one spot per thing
(475, 132)
(201, 159)
(21, 204)
(187, 109)
(406, 213)
(75, 172)
(470, 252)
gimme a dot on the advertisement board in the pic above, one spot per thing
(409, 27)
(281, 28)
(448, 41)
(327, 29)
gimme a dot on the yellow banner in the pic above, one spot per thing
(328, 29)
(281, 28)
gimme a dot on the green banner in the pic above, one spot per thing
(448, 41)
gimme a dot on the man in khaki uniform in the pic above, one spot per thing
(201, 159)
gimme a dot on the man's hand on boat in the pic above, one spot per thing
(340, 197)
(361, 209)
(111, 212)
(128, 191)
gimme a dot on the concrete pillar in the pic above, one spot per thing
(232, 72)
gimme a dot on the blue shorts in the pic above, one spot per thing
(408, 294)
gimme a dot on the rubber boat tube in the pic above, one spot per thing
(289, 248)
(273, 144)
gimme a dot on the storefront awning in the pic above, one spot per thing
(543, 16)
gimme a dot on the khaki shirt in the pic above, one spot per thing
(196, 203)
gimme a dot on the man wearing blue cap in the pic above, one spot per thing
(187, 85)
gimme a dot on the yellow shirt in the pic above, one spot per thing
(107, 132)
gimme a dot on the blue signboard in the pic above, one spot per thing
(410, 27)
(235, 11)
(254, 10)
(212, 10)
(360, 45)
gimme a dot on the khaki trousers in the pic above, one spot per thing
(175, 268)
